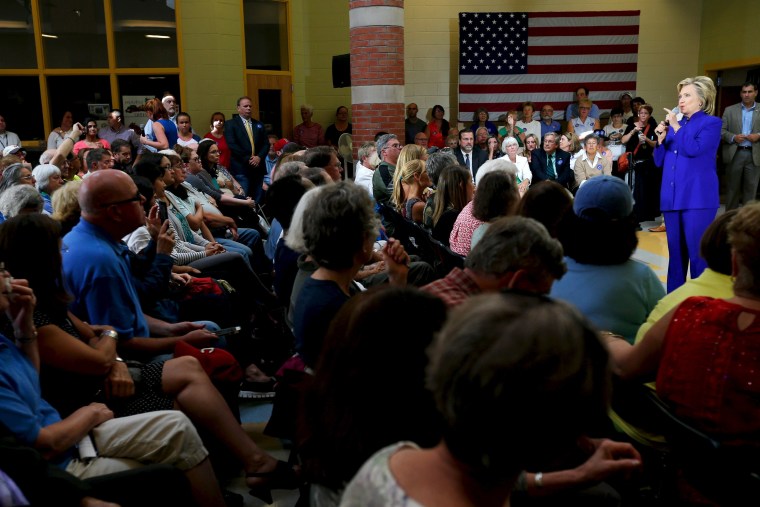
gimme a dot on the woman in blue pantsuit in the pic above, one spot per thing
(689, 197)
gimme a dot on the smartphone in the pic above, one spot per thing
(228, 330)
(163, 212)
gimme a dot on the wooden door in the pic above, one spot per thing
(272, 101)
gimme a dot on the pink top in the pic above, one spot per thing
(85, 145)
(309, 136)
(460, 240)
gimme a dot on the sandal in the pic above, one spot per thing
(282, 477)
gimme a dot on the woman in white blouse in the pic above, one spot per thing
(524, 176)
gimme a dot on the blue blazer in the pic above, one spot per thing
(240, 145)
(565, 175)
(687, 158)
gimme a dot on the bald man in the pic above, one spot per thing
(97, 271)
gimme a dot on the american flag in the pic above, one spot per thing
(507, 58)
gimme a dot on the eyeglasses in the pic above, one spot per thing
(195, 159)
(166, 167)
(396, 145)
(28, 177)
(137, 198)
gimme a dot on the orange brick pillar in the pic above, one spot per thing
(377, 68)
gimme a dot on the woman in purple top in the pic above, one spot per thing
(689, 197)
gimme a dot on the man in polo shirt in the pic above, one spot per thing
(97, 271)
(116, 130)
(515, 253)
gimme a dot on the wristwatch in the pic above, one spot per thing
(110, 333)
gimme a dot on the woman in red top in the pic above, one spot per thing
(704, 353)
(438, 128)
(217, 134)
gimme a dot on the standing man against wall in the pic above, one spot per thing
(249, 145)
(741, 132)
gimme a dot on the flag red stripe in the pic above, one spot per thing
(561, 68)
(545, 88)
(468, 107)
(594, 14)
(612, 49)
(574, 31)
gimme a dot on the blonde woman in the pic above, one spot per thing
(412, 181)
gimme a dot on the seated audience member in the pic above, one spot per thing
(205, 178)
(48, 179)
(66, 206)
(78, 360)
(496, 406)
(584, 122)
(527, 123)
(548, 163)
(434, 165)
(460, 239)
(364, 167)
(531, 143)
(454, 191)
(345, 409)
(573, 109)
(452, 141)
(510, 129)
(411, 183)
(514, 253)
(523, 174)
(98, 275)
(122, 155)
(121, 443)
(326, 158)
(389, 150)
(96, 159)
(339, 230)
(20, 199)
(715, 282)
(548, 123)
(421, 140)
(497, 197)
(591, 163)
(697, 353)
(599, 239)
(571, 144)
(481, 140)
(480, 119)
(549, 203)
(283, 197)
(468, 155)
(493, 150)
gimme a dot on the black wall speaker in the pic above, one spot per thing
(341, 71)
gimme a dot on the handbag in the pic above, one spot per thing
(625, 161)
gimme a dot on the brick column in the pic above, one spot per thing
(377, 68)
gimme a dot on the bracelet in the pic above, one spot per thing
(539, 480)
(27, 339)
(111, 334)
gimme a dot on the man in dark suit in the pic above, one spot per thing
(249, 145)
(468, 154)
(548, 163)
(740, 134)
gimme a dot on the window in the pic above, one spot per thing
(145, 33)
(20, 99)
(74, 34)
(17, 36)
(266, 34)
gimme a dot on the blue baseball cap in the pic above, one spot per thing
(603, 198)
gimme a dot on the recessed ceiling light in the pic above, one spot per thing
(151, 36)
(48, 36)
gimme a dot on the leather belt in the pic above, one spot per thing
(744, 147)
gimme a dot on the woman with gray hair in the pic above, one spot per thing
(49, 180)
(339, 231)
(16, 174)
(20, 199)
(524, 175)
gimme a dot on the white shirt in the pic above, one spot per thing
(363, 177)
(523, 168)
(533, 127)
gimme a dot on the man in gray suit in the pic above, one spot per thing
(741, 133)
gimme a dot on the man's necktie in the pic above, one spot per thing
(467, 161)
(250, 135)
(550, 167)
